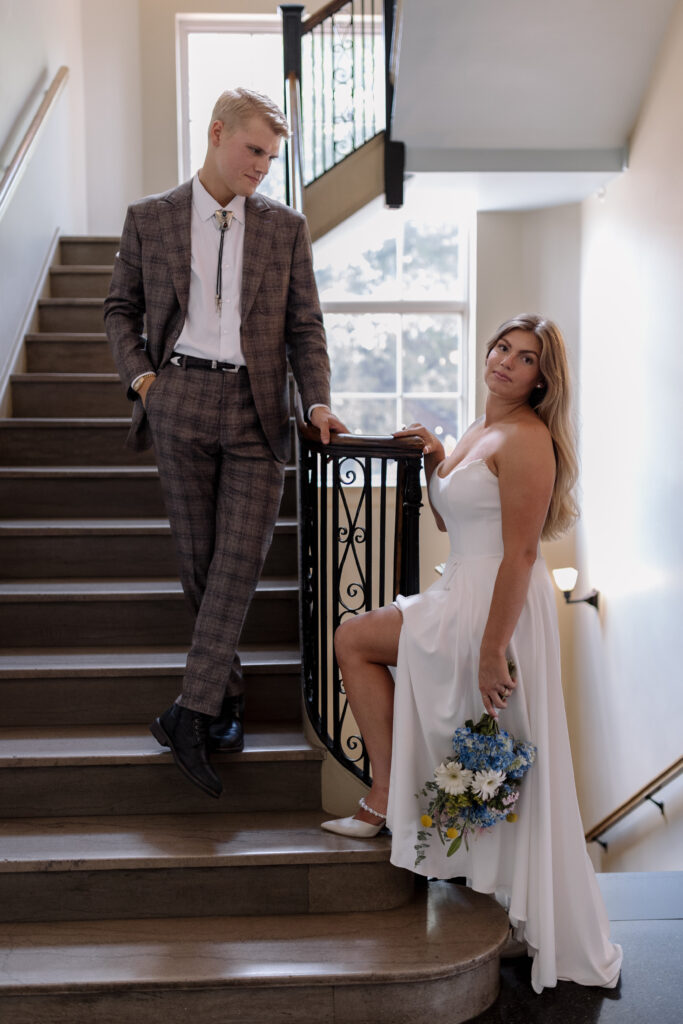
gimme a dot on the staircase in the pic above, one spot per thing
(126, 895)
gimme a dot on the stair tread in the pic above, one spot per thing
(31, 746)
(113, 589)
(68, 301)
(65, 378)
(57, 336)
(82, 268)
(131, 660)
(64, 422)
(64, 527)
(444, 932)
(130, 842)
(87, 472)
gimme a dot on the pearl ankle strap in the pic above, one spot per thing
(370, 810)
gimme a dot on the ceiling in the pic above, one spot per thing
(531, 102)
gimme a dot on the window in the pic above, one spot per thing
(394, 290)
(218, 53)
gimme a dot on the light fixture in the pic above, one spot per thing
(566, 581)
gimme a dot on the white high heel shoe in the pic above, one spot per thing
(353, 826)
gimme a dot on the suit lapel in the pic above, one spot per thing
(258, 242)
(175, 219)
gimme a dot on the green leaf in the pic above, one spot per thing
(455, 845)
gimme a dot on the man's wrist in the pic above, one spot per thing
(316, 405)
(142, 381)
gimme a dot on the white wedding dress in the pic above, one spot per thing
(537, 867)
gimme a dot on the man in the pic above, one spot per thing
(224, 279)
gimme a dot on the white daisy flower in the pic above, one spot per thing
(487, 783)
(452, 777)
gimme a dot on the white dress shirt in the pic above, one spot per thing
(209, 333)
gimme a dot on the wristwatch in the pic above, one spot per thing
(139, 381)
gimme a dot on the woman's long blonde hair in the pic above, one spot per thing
(552, 404)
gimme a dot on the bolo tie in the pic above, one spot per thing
(223, 219)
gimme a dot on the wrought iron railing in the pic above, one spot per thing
(358, 549)
(339, 57)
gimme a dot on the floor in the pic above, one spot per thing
(646, 910)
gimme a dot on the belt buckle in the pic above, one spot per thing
(230, 369)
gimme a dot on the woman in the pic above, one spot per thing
(507, 484)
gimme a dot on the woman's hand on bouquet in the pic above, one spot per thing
(432, 445)
(495, 682)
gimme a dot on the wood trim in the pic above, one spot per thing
(661, 780)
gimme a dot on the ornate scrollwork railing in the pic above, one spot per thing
(358, 549)
(338, 57)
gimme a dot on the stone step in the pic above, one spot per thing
(80, 281)
(72, 771)
(96, 548)
(68, 395)
(47, 441)
(91, 686)
(71, 315)
(83, 250)
(214, 865)
(432, 961)
(85, 613)
(62, 352)
(65, 492)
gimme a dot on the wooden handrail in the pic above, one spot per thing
(668, 775)
(294, 159)
(308, 24)
(17, 165)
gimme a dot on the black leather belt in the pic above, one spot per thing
(193, 363)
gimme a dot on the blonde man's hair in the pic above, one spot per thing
(552, 404)
(235, 107)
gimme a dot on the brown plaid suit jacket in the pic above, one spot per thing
(281, 319)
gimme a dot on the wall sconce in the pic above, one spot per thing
(566, 581)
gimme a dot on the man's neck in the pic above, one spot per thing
(215, 189)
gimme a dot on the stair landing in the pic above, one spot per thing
(435, 958)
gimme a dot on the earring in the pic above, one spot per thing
(540, 384)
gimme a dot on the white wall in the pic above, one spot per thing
(631, 542)
(38, 37)
(610, 272)
(113, 111)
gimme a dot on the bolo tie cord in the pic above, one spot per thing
(224, 219)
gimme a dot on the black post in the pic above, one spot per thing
(291, 51)
(410, 551)
(394, 152)
(291, 38)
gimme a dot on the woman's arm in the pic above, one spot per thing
(525, 464)
(434, 454)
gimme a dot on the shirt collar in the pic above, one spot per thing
(206, 205)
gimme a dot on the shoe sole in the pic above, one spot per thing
(161, 736)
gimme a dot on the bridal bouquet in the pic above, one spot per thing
(476, 787)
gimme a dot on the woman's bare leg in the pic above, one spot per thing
(365, 645)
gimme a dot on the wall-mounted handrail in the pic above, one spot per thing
(646, 793)
(19, 161)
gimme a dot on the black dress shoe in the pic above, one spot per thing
(226, 733)
(186, 732)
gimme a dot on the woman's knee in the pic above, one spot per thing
(346, 637)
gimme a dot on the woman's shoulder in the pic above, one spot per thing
(527, 438)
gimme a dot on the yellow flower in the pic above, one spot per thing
(426, 821)
(511, 817)
(452, 833)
